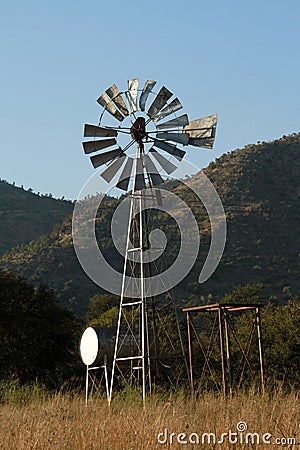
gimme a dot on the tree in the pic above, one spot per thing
(248, 293)
(103, 310)
(281, 342)
(39, 338)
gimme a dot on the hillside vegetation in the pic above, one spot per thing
(260, 190)
(24, 215)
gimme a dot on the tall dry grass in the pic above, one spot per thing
(63, 421)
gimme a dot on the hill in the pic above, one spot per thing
(24, 215)
(260, 190)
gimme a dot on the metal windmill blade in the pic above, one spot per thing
(181, 138)
(180, 121)
(139, 175)
(202, 131)
(132, 94)
(167, 166)
(174, 106)
(159, 102)
(169, 148)
(152, 171)
(95, 131)
(149, 85)
(105, 101)
(94, 146)
(102, 158)
(113, 168)
(116, 97)
(125, 175)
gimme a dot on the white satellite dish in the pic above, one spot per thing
(89, 347)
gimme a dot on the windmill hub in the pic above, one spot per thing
(138, 130)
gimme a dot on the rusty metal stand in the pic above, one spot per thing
(223, 331)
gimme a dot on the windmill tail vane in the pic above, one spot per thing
(154, 145)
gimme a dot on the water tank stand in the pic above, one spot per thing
(222, 332)
(91, 379)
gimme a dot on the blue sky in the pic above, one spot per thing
(237, 58)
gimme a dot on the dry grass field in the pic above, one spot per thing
(63, 421)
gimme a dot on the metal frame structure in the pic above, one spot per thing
(134, 329)
(223, 331)
(151, 143)
(91, 378)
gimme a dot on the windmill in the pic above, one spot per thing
(144, 144)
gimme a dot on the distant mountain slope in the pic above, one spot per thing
(260, 189)
(24, 216)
